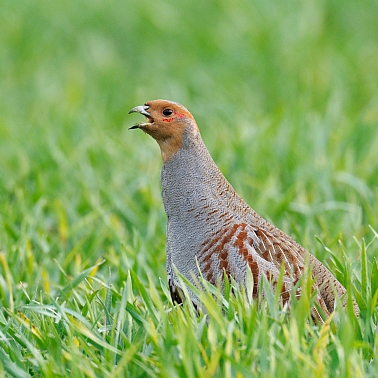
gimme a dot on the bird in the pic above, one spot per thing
(211, 231)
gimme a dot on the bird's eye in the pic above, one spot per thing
(167, 112)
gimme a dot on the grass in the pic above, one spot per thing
(285, 94)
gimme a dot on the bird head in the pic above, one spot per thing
(167, 122)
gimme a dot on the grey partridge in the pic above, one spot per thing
(210, 227)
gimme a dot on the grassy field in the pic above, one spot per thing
(286, 97)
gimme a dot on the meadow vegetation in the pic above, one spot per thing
(286, 97)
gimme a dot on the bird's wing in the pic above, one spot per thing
(261, 249)
(232, 248)
(280, 250)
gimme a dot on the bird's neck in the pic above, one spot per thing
(192, 183)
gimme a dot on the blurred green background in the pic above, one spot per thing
(285, 95)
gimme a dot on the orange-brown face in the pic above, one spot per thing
(167, 121)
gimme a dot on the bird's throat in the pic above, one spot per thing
(169, 146)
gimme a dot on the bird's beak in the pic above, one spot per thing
(142, 109)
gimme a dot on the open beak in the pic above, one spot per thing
(142, 109)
